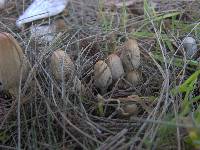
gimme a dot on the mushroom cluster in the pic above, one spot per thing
(14, 65)
(114, 67)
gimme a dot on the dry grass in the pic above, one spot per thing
(57, 116)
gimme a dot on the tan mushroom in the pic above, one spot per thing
(130, 55)
(12, 63)
(114, 63)
(102, 76)
(133, 77)
(61, 65)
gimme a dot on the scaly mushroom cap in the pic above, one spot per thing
(102, 75)
(61, 65)
(115, 65)
(130, 55)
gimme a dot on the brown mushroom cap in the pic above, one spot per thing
(130, 55)
(115, 65)
(61, 65)
(133, 77)
(102, 75)
(11, 62)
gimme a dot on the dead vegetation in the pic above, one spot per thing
(145, 107)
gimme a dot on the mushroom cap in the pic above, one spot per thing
(11, 62)
(130, 55)
(61, 65)
(133, 77)
(114, 63)
(102, 75)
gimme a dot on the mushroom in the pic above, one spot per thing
(61, 65)
(102, 76)
(133, 77)
(130, 55)
(114, 63)
(12, 63)
(190, 46)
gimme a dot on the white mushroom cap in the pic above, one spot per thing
(102, 75)
(115, 65)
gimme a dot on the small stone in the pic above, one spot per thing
(190, 46)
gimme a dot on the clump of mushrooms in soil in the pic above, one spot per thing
(14, 67)
(108, 71)
(125, 64)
